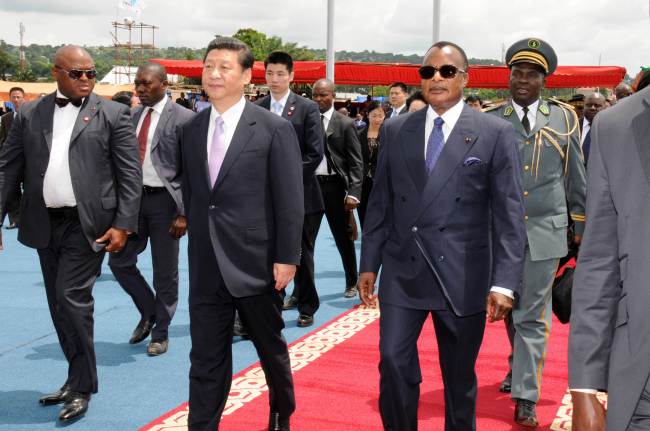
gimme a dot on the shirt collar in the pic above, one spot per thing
(450, 117)
(585, 122)
(520, 109)
(282, 101)
(328, 114)
(230, 116)
(60, 95)
(400, 108)
(159, 106)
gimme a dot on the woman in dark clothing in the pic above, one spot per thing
(369, 138)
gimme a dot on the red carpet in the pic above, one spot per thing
(336, 378)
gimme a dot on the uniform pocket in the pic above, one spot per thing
(560, 220)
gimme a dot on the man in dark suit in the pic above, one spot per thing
(594, 103)
(397, 94)
(445, 223)
(17, 97)
(610, 331)
(243, 195)
(78, 157)
(340, 174)
(162, 218)
(305, 119)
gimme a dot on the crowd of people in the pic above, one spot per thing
(466, 211)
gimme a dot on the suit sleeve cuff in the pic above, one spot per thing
(507, 292)
(586, 391)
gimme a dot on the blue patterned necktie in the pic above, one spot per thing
(435, 144)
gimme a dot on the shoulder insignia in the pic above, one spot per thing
(543, 108)
(508, 111)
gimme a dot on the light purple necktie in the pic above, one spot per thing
(217, 150)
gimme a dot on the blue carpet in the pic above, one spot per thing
(133, 388)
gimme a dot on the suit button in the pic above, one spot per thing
(526, 167)
(441, 258)
(527, 142)
(526, 193)
(412, 258)
(42, 174)
(414, 229)
(457, 198)
(525, 217)
(212, 207)
(442, 228)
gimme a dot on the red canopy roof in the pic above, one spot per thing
(351, 73)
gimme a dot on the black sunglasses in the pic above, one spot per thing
(78, 73)
(446, 71)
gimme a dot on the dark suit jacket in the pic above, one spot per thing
(345, 152)
(369, 160)
(166, 149)
(466, 222)
(253, 216)
(609, 344)
(104, 166)
(305, 119)
(5, 125)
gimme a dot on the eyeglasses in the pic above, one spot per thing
(77, 73)
(446, 71)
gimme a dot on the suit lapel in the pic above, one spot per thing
(135, 116)
(88, 110)
(46, 114)
(289, 107)
(243, 134)
(333, 123)
(165, 115)
(201, 142)
(412, 148)
(641, 127)
(458, 143)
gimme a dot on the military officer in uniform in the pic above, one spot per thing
(553, 175)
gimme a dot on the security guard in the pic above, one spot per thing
(553, 174)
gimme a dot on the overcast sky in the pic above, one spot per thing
(581, 31)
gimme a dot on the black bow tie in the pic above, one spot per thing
(63, 101)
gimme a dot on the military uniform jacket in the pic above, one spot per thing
(553, 176)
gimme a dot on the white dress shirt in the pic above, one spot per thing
(322, 167)
(395, 112)
(57, 184)
(149, 175)
(230, 119)
(532, 112)
(450, 118)
(586, 125)
(282, 101)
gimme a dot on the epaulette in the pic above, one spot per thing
(554, 101)
(494, 107)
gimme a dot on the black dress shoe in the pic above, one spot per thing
(350, 292)
(278, 423)
(525, 413)
(305, 320)
(290, 303)
(239, 330)
(506, 384)
(156, 348)
(75, 406)
(142, 331)
(57, 397)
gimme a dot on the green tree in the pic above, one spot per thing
(5, 61)
(24, 74)
(261, 45)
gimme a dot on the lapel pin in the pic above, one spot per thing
(290, 113)
(468, 140)
(292, 108)
(86, 119)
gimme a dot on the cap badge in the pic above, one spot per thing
(533, 43)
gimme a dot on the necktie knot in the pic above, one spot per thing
(219, 122)
(62, 102)
(438, 122)
(277, 107)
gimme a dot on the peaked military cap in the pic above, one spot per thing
(532, 50)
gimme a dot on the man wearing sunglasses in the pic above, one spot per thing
(445, 224)
(78, 157)
(553, 175)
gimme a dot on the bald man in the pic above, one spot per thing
(162, 219)
(622, 91)
(594, 103)
(78, 157)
